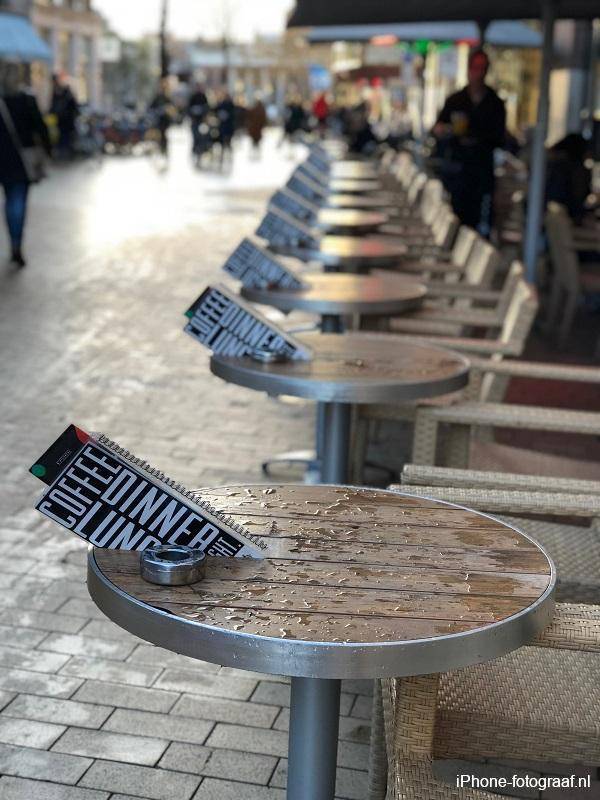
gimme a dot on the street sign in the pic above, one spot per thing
(257, 268)
(105, 495)
(228, 326)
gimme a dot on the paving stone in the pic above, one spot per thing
(7, 697)
(354, 756)
(184, 757)
(155, 784)
(220, 710)
(363, 707)
(42, 620)
(78, 645)
(253, 740)
(35, 661)
(175, 728)
(197, 683)
(16, 680)
(63, 712)
(12, 636)
(278, 694)
(237, 766)
(350, 784)
(259, 676)
(28, 733)
(22, 789)
(158, 656)
(105, 670)
(126, 696)
(24, 762)
(213, 789)
(104, 629)
(81, 607)
(113, 746)
(590, 793)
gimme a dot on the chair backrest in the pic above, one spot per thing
(520, 316)
(562, 253)
(444, 233)
(482, 264)
(431, 199)
(513, 276)
(463, 245)
(415, 190)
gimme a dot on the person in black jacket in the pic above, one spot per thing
(25, 129)
(470, 126)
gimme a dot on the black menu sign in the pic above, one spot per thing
(110, 498)
(228, 326)
(279, 228)
(295, 205)
(257, 268)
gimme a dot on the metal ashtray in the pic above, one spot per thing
(266, 356)
(172, 565)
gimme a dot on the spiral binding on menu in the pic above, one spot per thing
(190, 494)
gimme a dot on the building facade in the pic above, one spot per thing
(74, 31)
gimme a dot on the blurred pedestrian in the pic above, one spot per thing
(23, 138)
(470, 126)
(256, 122)
(225, 110)
(294, 119)
(320, 111)
(197, 110)
(65, 108)
(569, 179)
(164, 112)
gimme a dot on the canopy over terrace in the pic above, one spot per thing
(19, 41)
(313, 13)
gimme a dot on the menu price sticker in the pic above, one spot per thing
(119, 502)
(257, 268)
(228, 326)
(280, 228)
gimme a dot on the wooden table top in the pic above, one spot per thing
(353, 368)
(349, 252)
(385, 583)
(359, 219)
(344, 293)
(352, 185)
(354, 170)
(357, 201)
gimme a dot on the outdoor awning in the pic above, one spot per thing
(20, 42)
(309, 13)
(503, 33)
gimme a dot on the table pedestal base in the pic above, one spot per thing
(336, 442)
(313, 743)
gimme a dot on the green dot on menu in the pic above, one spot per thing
(189, 314)
(38, 470)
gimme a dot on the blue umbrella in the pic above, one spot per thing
(20, 42)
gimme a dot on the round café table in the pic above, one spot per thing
(351, 185)
(350, 368)
(347, 253)
(355, 583)
(369, 201)
(350, 221)
(334, 295)
(354, 170)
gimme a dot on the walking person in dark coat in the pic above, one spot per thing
(21, 126)
(65, 107)
(470, 126)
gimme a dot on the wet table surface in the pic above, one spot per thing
(352, 185)
(350, 218)
(349, 252)
(353, 368)
(342, 293)
(354, 170)
(354, 583)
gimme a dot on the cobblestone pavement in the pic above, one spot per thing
(91, 332)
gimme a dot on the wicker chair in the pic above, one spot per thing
(537, 704)
(527, 501)
(462, 417)
(570, 280)
(484, 711)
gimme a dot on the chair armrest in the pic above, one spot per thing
(535, 369)
(459, 290)
(418, 474)
(574, 627)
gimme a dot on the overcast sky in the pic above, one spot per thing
(192, 18)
